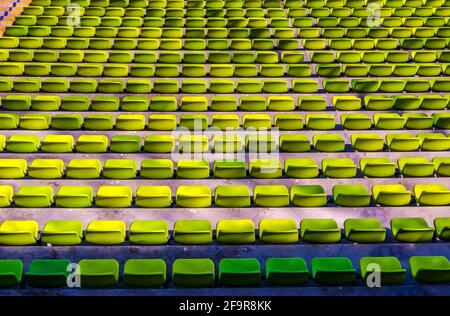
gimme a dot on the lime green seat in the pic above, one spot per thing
(271, 196)
(98, 122)
(9, 121)
(301, 168)
(415, 167)
(10, 272)
(294, 143)
(163, 104)
(265, 168)
(432, 194)
(441, 165)
(308, 195)
(119, 169)
(235, 231)
(402, 142)
(377, 167)
(62, 233)
(391, 194)
(312, 103)
(12, 168)
(320, 121)
(411, 229)
(57, 144)
(92, 144)
(434, 142)
(388, 121)
(320, 231)
(125, 143)
(441, 120)
(83, 169)
(67, 121)
(390, 269)
(364, 230)
(286, 271)
(113, 196)
(232, 196)
(229, 169)
(338, 168)
(149, 232)
(144, 273)
(193, 196)
(34, 196)
(196, 272)
(46, 168)
(442, 227)
(278, 231)
(418, 121)
(35, 121)
(333, 270)
(346, 103)
(156, 169)
(75, 103)
(18, 232)
(193, 143)
(98, 273)
(288, 121)
(430, 269)
(356, 121)
(352, 195)
(159, 143)
(16, 102)
(153, 196)
(106, 232)
(367, 142)
(239, 271)
(130, 122)
(328, 142)
(192, 169)
(51, 273)
(74, 196)
(21, 143)
(192, 232)
(162, 122)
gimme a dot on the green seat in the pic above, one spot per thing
(21, 143)
(434, 142)
(286, 271)
(13, 168)
(346, 103)
(442, 227)
(83, 169)
(35, 121)
(418, 121)
(430, 269)
(34, 196)
(193, 196)
(51, 273)
(194, 122)
(308, 196)
(18, 232)
(320, 231)
(193, 272)
(192, 169)
(390, 269)
(192, 232)
(312, 103)
(432, 194)
(364, 230)
(130, 122)
(441, 120)
(105, 104)
(223, 103)
(391, 194)
(62, 233)
(16, 102)
(119, 169)
(288, 122)
(411, 229)
(352, 195)
(224, 121)
(193, 143)
(278, 231)
(301, 168)
(377, 167)
(415, 167)
(106, 232)
(256, 121)
(162, 122)
(402, 142)
(356, 121)
(134, 104)
(153, 196)
(389, 121)
(46, 168)
(235, 231)
(98, 273)
(320, 121)
(328, 142)
(265, 168)
(367, 142)
(239, 271)
(271, 196)
(10, 273)
(229, 169)
(159, 143)
(232, 196)
(125, 144)
(75, 103)
(294, 143)
(113, 196)
(156, 169)
(92, 144)
(144, 273)
(149, 232)
(57, 144)
(441, 165)
(338, 168)
(67, 121)
(333, 271)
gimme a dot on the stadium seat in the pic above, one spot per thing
(442, 227)
(353, 195)
(391, 194)
(196, 272)
(51, 273)
(402, 142)
(10, 272)
(415, 167)
(430, 269)
(18, 232)
(62, 233)
(119, 169)
(105, 232)
(390, 268)
(411, 230)
(441, 165)
(286, 271)
(432, 194)
(153, 196)
(333, 271)
(159, 143)
(92, 144)
(193, 196)
(328, 142)
(193, 232)
(278, 231)
(98, 273)
(149, 232)
(239, 271)
(271, 196)
(265, 168)
(13, 168)
(367, 142)
(193, 169)
(232, 196)
(113, 196)
(21, 143)
(229, 169)
(320, 231)
(83, 169)
(34, 196)
(156, 169)
(144, 273)
(434, 142)
(294, 143)
(308, 196)
(338, 168)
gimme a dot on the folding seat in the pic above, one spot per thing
(83, 169)
(441, 165)
(333, 271)
(9, 121)
(353, 195)
(119, 169)
(51, 273)
(320, 121)
(265, 168)
(367, 142)
(430, 269)
(46, 168)
(229, 169)
(235, 231)
(391, 194)
(100, 122)
(389, 121)
(9, 42)
(193, 232)
(28, 85)
(356, 121)
(159, 143)
(20, 56)
(193, 196)
(432, 194)
(92, 144)
(98, 273)
(391, 271)
(134, 104)
(434, 142)
(338, 168)
(418, 121)
(130, 122)
(364, 230)
(193, 272)
(320, 231)
(23, 143)
(402, 142)
(377, 167)
(328, 142)
(193, 169)
(34, 196)
(10, 273)
(406, 103)
(224, 122)
(271, 196)
(411, 229)
(415, 167)
(81, 86)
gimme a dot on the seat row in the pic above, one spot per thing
(218, 86)
(228, 231)
(262, 44)
(243, 103)
(298, 168)
(220, 70)
(234, 196)
(200, 272)
(223, 57)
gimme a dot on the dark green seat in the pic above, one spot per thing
(333, 271)
(286, 271)
(10, 273)
(239, 272)
(48, 273)
(430, 269)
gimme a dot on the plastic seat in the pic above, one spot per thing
(415, 167)
(364, 230)
(16, 102)
(159, 143)
(193, 143)
(286, 271)
(288, 122)
(229, 169)
(83, 169)
(48, 273)
(442, 227)
(193, 272)
(98, 273)
(271, 196)
(434, 142)
(144, 272)
(333, 271)
(113, 196)
(23, 143)
(338, 168)
(353, 195)
(402, 142)
(432, 194)
(235, 231)
(278, 231)
(441, 165)
(92, 144)
(156, 168)
(193, 122)
(411, 230)
(391, 195)
(125, 143)
(193, 196)
(13, 168)
(232, 196)
(62, 233)
(46, 168)
(320, 231)
(265, 168)
(57, 144)
(418, 121)
(320, 121)
(106, 232)
(328, 142)
(377, 167)
(67, 121)
(390, 269)
(34, 196)
(10, 273)
(18, 233)
(239, 272)
(34, 121)
(430, 269)
(193, 169)
(192, 232)
(149, 232)
(119, 169)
